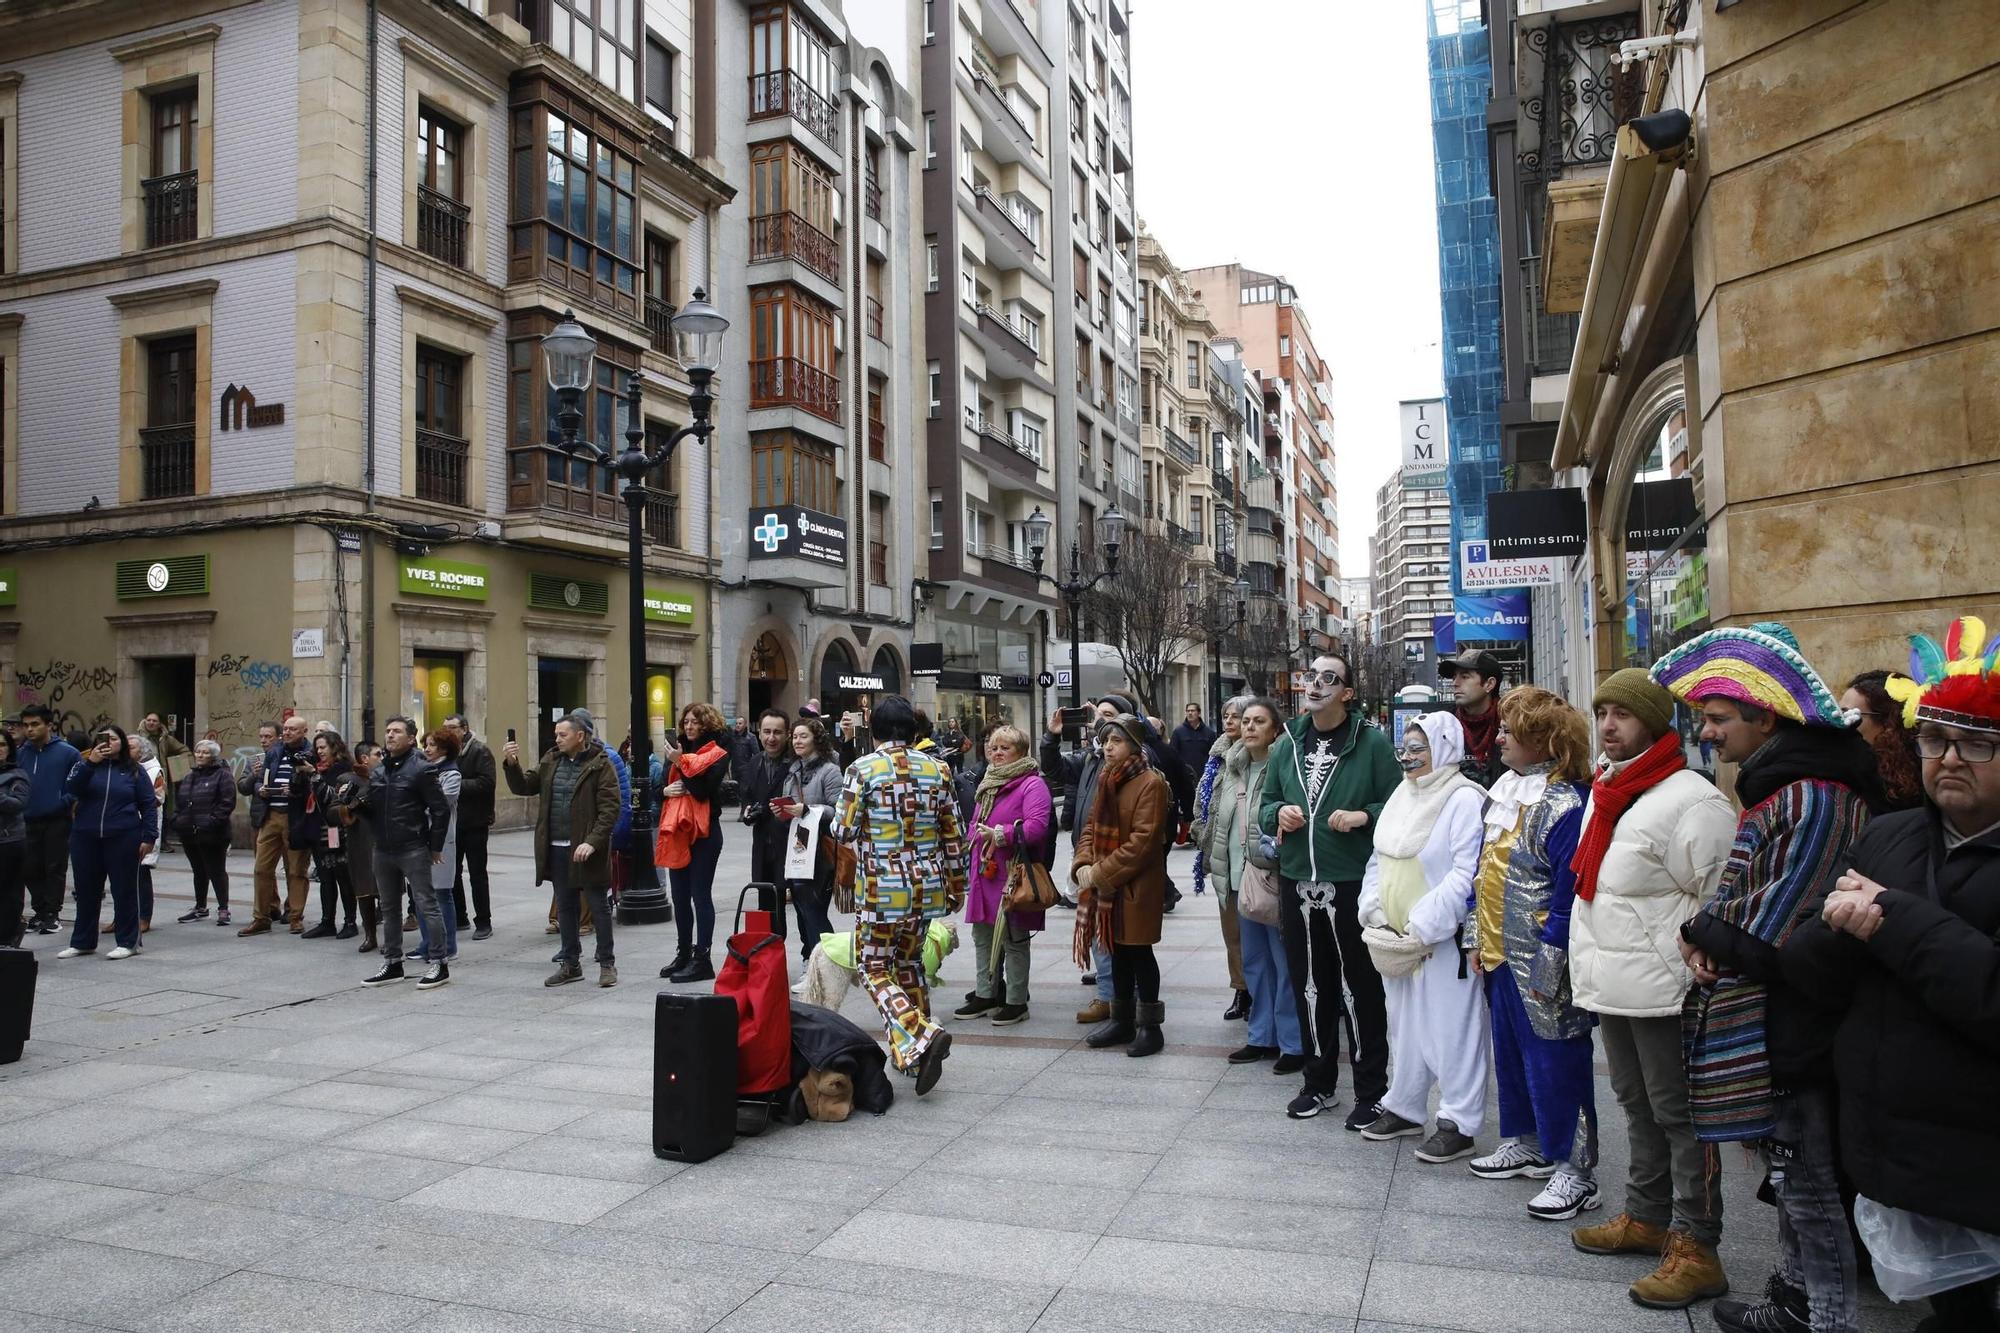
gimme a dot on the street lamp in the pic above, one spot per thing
(698, 328)
(1110, 535)
(1213, 632)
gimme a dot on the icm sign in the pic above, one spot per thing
(1502, 618)
(1424, 449)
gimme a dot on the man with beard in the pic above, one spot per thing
(1758, 1054)
(1325, 783)
(1475, 685)
(760, 776)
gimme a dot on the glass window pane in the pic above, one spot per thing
(624, 237)
(559, 33)
(607, 59)
(605, 195)
(579, 202)
(558, 170)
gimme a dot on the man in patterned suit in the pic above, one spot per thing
(898, 813)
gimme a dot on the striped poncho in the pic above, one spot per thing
(1789, 850)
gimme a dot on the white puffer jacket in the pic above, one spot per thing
(1666, 857)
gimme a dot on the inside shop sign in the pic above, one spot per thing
(444, 578)
(1479, 570)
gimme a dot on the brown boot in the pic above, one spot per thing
(1623, 1234)
(369, 916)
(1689, 1271)
(1097, 1011)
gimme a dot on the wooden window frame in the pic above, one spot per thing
(603, 275)
(539, 477)
(439, 368)
(788, 468)
(437, 133)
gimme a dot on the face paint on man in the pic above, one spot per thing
(1325, 683)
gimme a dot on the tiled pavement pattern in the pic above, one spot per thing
(229, 1134)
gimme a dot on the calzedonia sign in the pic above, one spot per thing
(443, 578)
(669, 608)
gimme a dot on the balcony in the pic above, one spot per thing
(875, 320)
(789, 236)
(172, 215)
(441, 466)
(1009, 246)
(783, 93)
(986, 551)
(1008, 138)
(660, 324)
(166, 461)
(1182, 538)
(1224, 485)
(1225, 563)
(1181, 451)
(878, 439)
(991, 431)
(1009, 353)
(788, 382)
(871, 198)
(441, 226)
(663, 518)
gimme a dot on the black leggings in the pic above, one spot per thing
(210, 862)
(336, 890)
(1133, 968)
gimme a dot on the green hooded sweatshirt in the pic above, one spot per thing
(1362, 779)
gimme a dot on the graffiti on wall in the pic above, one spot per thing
(244, 691)
(83, 697)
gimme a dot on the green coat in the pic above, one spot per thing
(593, 809)
(1363, 780)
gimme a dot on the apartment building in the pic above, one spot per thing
(1261, 313)
(1411, 583)
(277, 428)
(820, 252)
(1030, 322)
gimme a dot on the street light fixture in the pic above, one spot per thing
(1110, 536)
(1214, 633)
(698, 327)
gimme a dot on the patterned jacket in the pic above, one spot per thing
(1520, 917)
(898, 811)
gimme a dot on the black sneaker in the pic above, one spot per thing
(1251, 1054)
(1309, 1104)
(1448, 1144)
(483, 933)
(390, 972)
(1288, 1064)
(325, 930)
(1362, 1116)
(437, 976)
(931, 1063)
(197, 914)
(1009, 1014)
(1783, 1310)
(348, 931)
(1389, 1125)
(975, 1005)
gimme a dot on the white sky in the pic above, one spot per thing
(1294, 136)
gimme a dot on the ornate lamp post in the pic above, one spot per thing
(569, 351)
(1110, 535)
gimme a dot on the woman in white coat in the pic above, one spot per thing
(1414, 898)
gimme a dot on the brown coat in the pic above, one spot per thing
(593, 810)
(1137, 871)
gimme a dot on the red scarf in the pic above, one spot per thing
(1611, 796)
(1481, 732)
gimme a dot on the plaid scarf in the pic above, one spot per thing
(991, 784)
(1096, 921)
(1611, 796)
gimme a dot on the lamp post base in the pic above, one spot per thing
(644, 906)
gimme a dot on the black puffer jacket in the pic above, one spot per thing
(1917, 1054)
(203, 803)
(406, 806)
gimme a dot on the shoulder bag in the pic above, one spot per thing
(1257, 896)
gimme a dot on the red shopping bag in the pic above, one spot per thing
(753, 974)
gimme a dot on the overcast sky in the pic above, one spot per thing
(1294, 136)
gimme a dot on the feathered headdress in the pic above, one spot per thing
(1759, 664)
(1953, 683)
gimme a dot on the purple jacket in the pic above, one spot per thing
(1025, 813)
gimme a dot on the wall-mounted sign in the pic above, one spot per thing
(1046, 679)
(560, 592)
(10, 582)
(782, 532)
(240, 410)
(1502, 618)
(926, 659)
(1479, 570)
(1524, 524)
(669, 608)
(1425, 451)
(836, 681)
(431, 577)
(986, 682)
(166, 576)
(308, 643)
(1658, 512)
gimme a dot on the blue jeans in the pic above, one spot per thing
(1815, 1248)
(1100, 959)
(1274, 1016)
(694, 893)
(96, 859)
(448, 910)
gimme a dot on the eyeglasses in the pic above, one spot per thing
(1971, 749)
(1409, 749)
(1327, 677)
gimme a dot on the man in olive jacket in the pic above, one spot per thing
(1325, 783)
(573, 822)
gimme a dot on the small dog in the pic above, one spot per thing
(831, 974)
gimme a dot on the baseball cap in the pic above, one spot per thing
(1472, 659)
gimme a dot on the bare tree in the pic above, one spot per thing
(1144, 612)
(1268, 640)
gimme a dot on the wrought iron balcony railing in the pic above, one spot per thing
(788, 382)
(441, 467)
(783, 93)
(166, 461)
(663, 518)
(441, 226)
(660, 324)
(172, 215)
(789, 236)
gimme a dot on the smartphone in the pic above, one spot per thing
(1076, 720)
(510, 733)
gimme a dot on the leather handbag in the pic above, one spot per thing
(1030, 887)
(1257, 895)
(844, 866)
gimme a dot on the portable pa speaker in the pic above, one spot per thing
(694, 1076)
(17, 1002)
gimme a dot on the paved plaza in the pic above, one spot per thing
(232, 1134)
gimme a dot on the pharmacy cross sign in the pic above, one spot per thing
(771, 534)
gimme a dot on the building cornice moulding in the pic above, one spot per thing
(148, 47)
(448, 309)
(199, 289)
(458, 76)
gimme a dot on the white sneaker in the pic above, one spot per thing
(1566, 1195)
(1512, 1158)
(73, 952)
(120, 952)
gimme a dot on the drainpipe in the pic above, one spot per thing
(368, 404)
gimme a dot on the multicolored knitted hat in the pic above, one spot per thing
(1954, 683)
(1759, 665)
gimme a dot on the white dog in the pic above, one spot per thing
(830, 973)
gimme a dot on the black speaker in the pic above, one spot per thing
(17, 1001)
(694, 1076)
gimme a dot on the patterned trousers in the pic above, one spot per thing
(889, 955)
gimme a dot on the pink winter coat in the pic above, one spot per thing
(1024, 812)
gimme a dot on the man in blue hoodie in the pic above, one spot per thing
(48, 758)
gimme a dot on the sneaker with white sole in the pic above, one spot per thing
(1566, 1195)
(120, 952)
(1309, 1104)
(1389, 1125)
(1511, 1159)
(73, 952)
(1447, 1144)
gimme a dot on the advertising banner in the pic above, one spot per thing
(1500, 618)
(1530, 524)
(1425, 451)
(1479, 570)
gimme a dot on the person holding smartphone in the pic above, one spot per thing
(115, 813)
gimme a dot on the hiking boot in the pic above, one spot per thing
(564, 974)
(1512, 1158)
(1448, 1144)
(975, 1005)
(1689, 1271)
(1566, 1195)
(1783, 1310)
(1389, 1125)
(1116, 1030)
(1147, 1039)
(1094, 1012)
(1623, 1234)
(198, 914)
